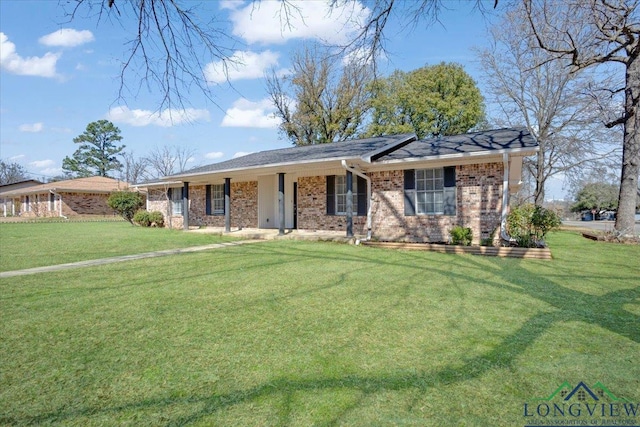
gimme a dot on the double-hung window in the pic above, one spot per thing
(215, 199)
(175, 195)
(337, 195)
(341, 195)
(430, 191)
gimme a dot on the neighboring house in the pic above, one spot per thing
(8, 208)
(388, 188)
(81, 196)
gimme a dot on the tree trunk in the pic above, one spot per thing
(625, 220)
(538, 194)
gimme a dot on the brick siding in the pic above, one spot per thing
(244, 206)
(312, 208)
(478, 196)
(72, 204)
(479, 204)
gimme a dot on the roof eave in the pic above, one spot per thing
(258, 167)
(528, 151)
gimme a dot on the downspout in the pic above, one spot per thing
(60, 205)
(369, 195)
(505, 200)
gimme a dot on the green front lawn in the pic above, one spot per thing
(303, 333)
(27, 245)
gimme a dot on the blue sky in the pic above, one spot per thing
(57, 76)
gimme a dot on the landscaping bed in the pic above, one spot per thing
(535, 253)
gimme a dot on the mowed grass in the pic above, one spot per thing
(306, 333)
(27, 245)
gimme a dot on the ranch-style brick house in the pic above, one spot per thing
(395, 188)
(80, 196)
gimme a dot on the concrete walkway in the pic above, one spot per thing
(111, 260)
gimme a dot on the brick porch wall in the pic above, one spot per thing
(244, 206)
(312, 208)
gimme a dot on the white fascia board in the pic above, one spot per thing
(444, 157)
(283, 165)
(156, 184)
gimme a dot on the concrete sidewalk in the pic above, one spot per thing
(111, 260)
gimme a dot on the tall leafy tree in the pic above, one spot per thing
(556, 104)
(319, 102)
(596, 195)
(430, 101)
(11, 172)
(98, 153)
(601, 33)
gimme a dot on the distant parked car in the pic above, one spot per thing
(607, 215)
(586, 216)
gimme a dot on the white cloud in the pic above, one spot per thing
(31, 127)
(164, 118)
(51, 171)
(214, 155)
(18, 157)
(39, 164)
(270, 22)
(242, 65)
(67, 37)
(44, 66)
(231, 4)
(242, 153)
(245, 113)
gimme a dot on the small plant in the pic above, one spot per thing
(461, 235)
(529, 224)
(149, 219)
(126, 203)
(488, 241)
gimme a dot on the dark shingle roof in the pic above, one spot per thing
(492, 140)
(378, 149)
(308, 153)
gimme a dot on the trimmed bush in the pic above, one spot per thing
(461, 235)
(149, 219)
(126, 203)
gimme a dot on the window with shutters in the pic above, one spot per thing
(430, 191)
(337, 195)
(341, 195)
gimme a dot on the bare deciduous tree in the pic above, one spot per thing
(134, 169)
(169, 46)
(170, 43)
(318, 102)
(594, 33)
(11, 172)
(165, 161)
(556, 103)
